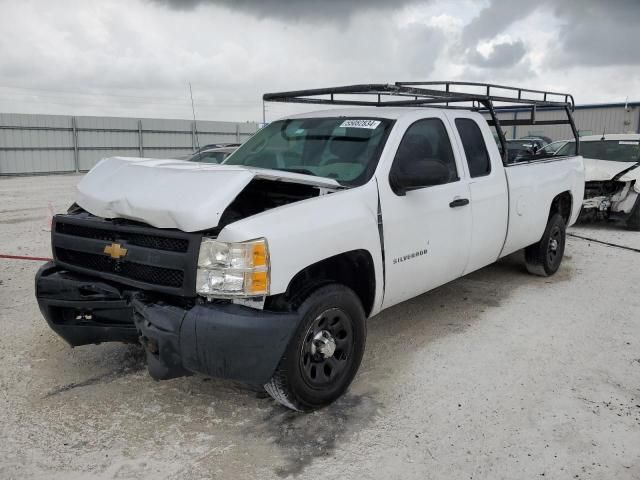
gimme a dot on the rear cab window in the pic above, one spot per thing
(475, 149)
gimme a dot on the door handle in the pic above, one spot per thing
(459, 202)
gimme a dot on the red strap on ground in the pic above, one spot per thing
(24, 257)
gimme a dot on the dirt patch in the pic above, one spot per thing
(303, 438)
(102, 378)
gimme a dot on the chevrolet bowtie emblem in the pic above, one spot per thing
(115, 251)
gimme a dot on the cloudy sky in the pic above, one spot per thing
(137, 57)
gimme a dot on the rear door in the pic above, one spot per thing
(427, 231)
(489, 200)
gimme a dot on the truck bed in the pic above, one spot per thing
(530, 199)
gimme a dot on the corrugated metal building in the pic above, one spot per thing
(589, 119)
(57, 144)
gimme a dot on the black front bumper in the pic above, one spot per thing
(220, 340)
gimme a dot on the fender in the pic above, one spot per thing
(316, 229)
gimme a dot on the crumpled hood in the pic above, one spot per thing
(602, 170)
(178, 194)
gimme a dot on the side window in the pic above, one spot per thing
(427, 140)
(474, 147)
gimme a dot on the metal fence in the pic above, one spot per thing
(56, 144)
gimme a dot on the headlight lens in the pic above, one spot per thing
(233, 269)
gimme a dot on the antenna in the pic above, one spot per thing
(195, 125)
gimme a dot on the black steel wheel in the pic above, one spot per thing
(327, 348)
(556, 238)
(324, 353)
(544, 257)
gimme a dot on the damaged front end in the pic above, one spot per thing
(122, 280)
(220, 340)
(181, 336)
(609, 199)
(190, 197)
(612, 180)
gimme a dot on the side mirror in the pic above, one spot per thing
(417, 174)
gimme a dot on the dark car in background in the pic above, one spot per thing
(212, 155)
(544, 139)
(523, 147)
(211, 146)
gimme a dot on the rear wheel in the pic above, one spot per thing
(544, 258)
(325, 352)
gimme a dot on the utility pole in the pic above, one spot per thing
(264, 113)
(195, 125)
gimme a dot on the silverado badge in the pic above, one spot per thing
(115, 251)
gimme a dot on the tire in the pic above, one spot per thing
(544, 258)
(313, 371)
(633, 220)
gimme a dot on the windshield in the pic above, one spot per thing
(612, 150)
(345, 149)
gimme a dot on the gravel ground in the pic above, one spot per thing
(496, 375)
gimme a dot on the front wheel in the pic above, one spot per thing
(324, 353)
(544, 258)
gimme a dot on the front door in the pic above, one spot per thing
(427, 230)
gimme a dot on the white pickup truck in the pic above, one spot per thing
(264, 269)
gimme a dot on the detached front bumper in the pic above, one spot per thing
(219, 340)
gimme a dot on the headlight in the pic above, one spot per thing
(233, 269)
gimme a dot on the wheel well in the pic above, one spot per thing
(562, 204)
(353, 269)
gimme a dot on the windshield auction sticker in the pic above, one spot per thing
(371, 124)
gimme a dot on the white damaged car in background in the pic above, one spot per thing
(612, 176)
